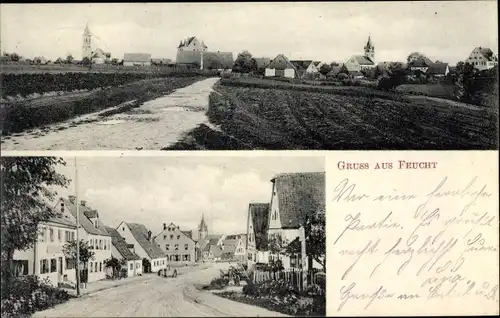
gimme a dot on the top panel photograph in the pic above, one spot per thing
(249, 76)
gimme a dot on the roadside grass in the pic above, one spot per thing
(16, 117)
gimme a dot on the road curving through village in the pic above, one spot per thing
(154, 125)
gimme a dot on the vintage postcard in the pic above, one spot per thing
(357, 158)
(250, 76)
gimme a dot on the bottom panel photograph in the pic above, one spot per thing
(163, 236)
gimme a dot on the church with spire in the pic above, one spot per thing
(87, 43)
(366, 61)
(202, 229)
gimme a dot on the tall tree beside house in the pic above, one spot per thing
(86, 253)
(463, 81)
(27, 186)
(414, 56)
(245, 63)
(69, 59)
(115, 264)
(344, 70)
(325, 69)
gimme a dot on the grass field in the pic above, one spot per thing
(357, 118)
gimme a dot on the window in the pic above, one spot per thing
(177, 258)
(131, 267)
(176, 247)
(178, 237)
(105, 244)
(171, 236)
(43, 234)
(70, 263)
(53, 265)
(123, 229)
(167, 247)
(59, 235)
(66, 236)
(95, 267)
(100, 266)
(186, 247)
(91, 266)
(73, 236)
(95, 224)
(51, 234)
(44, 266)
(91, 244)
(164, 237)
(185, 257)
(100, 245)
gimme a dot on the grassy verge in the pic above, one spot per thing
(19, 116)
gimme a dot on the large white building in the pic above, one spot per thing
(482, 58)
(138, 235)
(46, 259)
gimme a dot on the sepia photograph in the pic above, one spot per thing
(163, 236)
(250, 76)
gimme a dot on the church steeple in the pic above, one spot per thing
(202, 228)
(87, 43)
(370, 49)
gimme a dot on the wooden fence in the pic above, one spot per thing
(295, 276)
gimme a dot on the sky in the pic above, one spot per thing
(329, 31)
(157, 190)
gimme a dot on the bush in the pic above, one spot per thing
(219, 283)
(251, 289)
(342, 76)
(28, 294)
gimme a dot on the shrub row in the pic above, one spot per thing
(26, 84)
(27, 294)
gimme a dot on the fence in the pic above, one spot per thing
(293, 275)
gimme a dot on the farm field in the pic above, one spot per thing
(351, 118)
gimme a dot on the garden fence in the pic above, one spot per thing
(293, 275)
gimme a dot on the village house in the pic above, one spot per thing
(178, 245)
(358, 63)
(306, 68)
(90, 230)
(100, 57)
(281, 66)
(262, 62)
(137, 59)
(46, 258)
(428, 67)
(234, 248)
(482, 58)
(192, 51)
(161, 61)
(294, 195)
(141, 241)
(121, 251)
(257, 226)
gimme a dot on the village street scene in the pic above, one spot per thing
(163, 236)
(223, 76)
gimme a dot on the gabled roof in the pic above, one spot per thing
(363, 60)
(316, 63)
(137, 57)
(91, 214)
(83, 219)
(188, 234)
(188, 41)
(63, 219)
(301, 64)
(259, 214)
(140, 233)
(275, 63)
(228, 251)
(437, 69)
(120, 245)
(486, 52)
(299, 194)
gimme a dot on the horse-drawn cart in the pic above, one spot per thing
(168, 272)
(234, 273)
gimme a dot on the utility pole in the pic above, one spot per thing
(77, 235)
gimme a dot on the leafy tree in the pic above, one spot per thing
(86, 253)
(414, 56)
(27, 187)
(463, 81)
(245, 63)
(87, 62)
(325, 69)
(332, 64)
(114, 61)
(115, 264)
(59, 60)
(14, 57)
(344, 70)
(69, 59)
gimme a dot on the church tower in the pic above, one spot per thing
(370, 49)
(87, 40)
(202, 229)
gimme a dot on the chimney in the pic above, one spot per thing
(83, 202)
(72, 198)
(164, 226)
(149, 236)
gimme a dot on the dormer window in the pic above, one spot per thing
(96, 224)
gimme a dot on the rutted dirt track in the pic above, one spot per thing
(158, 297)
(154, 125)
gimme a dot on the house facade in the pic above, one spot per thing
(178, 245)
(294, 195)
(91, 230)
(281, 66)
(482, 58)
(121, 251)
(153, 258)
(137, 59)
(46, 258)
(234, 248)
(99, 56)
(256, 243)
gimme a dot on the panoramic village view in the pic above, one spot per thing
(336, 80)
(175, 236)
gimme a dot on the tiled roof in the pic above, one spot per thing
(188, 234)
(299, 194)
(83, 219)
(281, 62)
(137, 57)
(140, 233)
(437, 69)
(91, 214)
(120, 245)
(486, 52)
(363, 60)
(259, 214)
(301, 64)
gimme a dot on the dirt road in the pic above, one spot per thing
(154, 125)
(158, 297)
